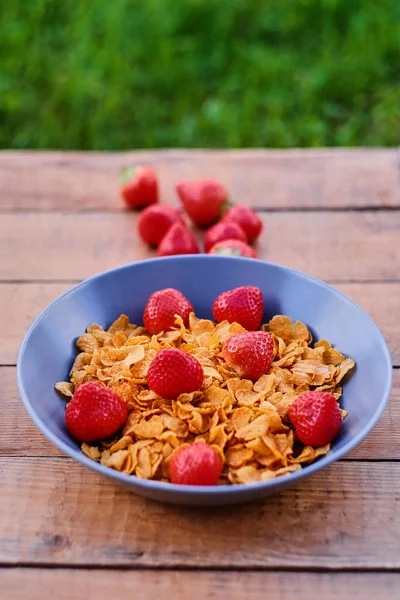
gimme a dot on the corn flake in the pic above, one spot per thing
(245, 422)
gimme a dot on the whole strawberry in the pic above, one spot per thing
(223, 231)
(174, 372)
(95, 412)
(178, 240)
(161, 308)
(249, 353)
(243, 305)
(233, 248)
(247, 218)
(198, 464)
(139, 186)
(203, 200)
(316, 418)
(155, 220)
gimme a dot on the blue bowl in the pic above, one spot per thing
(48, 351)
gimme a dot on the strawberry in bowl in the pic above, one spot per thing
(203, 406)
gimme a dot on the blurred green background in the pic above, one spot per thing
(122, 74)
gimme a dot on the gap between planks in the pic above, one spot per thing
(258, 208)
(4, 566)
(72, 282)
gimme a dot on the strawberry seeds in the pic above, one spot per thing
(197, 402)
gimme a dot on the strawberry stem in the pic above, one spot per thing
(126, 174)
(226, 206)
(228, 251)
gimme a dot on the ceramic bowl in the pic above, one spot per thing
(48, 351)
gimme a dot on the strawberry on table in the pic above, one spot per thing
(174, 372)
(178, 240)
(233, 248)
(198, 464)
(223, 231)
(247, 218)
(155, 221)
(316, 418)
(202, 199)
(95, 412)
(161, 308)
(139, 186)
(243, 305)
(249, 353)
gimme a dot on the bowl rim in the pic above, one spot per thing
(219, 490)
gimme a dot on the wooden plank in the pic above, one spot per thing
(382, 303)
(20, 305)
(64, 584)
(23, 302)
(333, 246)
(55, 512)
(20, 437)
(323, 178)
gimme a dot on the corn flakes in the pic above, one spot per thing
(245, 422)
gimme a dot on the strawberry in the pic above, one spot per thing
(95, 412)
(316, 418)
(247, 218)
(155, 220)
(161, 308)
(233, 248)
(244, 305)
(223, 231)
(198, 464)
(178, 240)
(249, 353)
(139, 186)
(203, 200)
(174, 372)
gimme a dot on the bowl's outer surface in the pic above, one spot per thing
(48, 350)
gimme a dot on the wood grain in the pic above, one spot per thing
(382, 303)
(22, 303)
(359, 246)
(61, 220)
(20, 437)
(323, 178)
(64, 584)
(55, 512)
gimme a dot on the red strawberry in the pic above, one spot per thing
(154, 222)
(202, 200)
(174, 372)
(244, 305)
(198, 464)
(316, 418)
(249, 353)
(95, 412)
(247, 218)
(223, 231)
(233, 248)
(161, 308)
(178, 240)
(139, 186)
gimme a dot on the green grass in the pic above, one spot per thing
(122, 74)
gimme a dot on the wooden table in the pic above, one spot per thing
(67, 533)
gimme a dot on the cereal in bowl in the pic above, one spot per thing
(264, 402)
